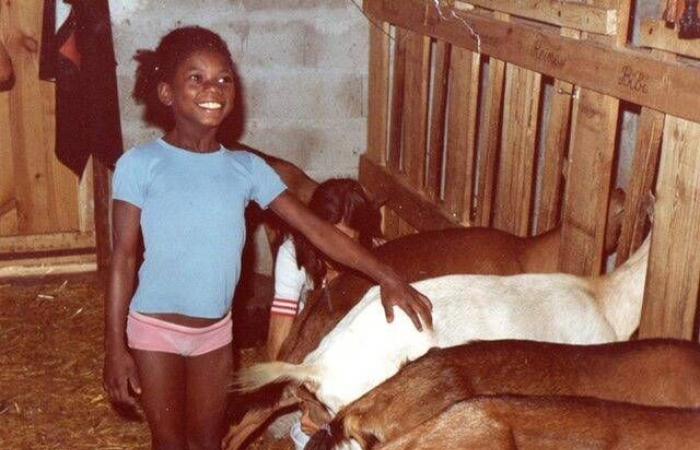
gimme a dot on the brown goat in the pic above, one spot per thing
(657, 372)
(553, 423)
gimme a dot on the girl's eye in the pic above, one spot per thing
(195, 77)
(226, 79)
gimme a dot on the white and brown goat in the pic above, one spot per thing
(363, 350)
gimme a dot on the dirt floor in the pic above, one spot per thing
(51, 352)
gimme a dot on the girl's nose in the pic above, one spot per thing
(212, 85)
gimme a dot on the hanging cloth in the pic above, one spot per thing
(78, 54)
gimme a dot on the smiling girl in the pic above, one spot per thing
(168, 341)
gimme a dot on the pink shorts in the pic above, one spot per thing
(151, 334)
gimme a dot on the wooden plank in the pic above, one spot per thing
(397, 97)
(577, 16)
(644, 164)
(487, 161)
(515, 180)
(46, 191)
(410, 205)
(461, 134)
(416, 108)
(433, 184)
(47, 266)
(627, 74)
(655, 34)
(589, 174)
(47, 242)
(378, 88)
(554, 151)
(671, 293)
(8, 224)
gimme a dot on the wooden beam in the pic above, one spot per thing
(577, 16)
(555, 142)
(378, 92)
(47, 242)
(655, 34)
(671, 293)
(438, 105)
(412, 206)
(397, 97)
(591, 154)
(489, 157)
(415, 113)
(461, 134)
(644, 165)
(515, 179)
(629, 75)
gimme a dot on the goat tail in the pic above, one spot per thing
(259, 375)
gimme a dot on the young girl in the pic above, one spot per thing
(299, 267)
(169, 340)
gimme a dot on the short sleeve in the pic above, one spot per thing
(267, 185)
(128, 181)
(289, 278)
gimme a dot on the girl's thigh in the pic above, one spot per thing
(208, 382)
(162, 377)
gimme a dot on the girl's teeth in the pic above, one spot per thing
(210, 105)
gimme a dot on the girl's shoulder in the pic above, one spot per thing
(141, 154)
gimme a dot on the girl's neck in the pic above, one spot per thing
(194, 142)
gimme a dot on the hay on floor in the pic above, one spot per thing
(51, 355)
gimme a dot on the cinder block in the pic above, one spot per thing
(304, 95)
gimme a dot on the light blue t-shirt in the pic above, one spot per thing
(192, 207)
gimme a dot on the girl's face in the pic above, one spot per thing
(202, 91)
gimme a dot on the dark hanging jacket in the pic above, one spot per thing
(79, 56)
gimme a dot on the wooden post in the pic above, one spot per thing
(378, 92)
(671, 294)
(591, 153)
(103, 239)
(461, 133)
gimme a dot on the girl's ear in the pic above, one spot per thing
(165, 93)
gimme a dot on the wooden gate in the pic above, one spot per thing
(507, 114)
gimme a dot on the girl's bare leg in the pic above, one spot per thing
(163, 398)
(208, 381)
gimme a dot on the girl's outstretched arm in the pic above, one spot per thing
(338, 246)
(120, 369)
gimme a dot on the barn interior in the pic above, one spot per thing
(523, 116)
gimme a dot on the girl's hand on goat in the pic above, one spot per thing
(413, 303)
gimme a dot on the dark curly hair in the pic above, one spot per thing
(341, 200)
(155, 66)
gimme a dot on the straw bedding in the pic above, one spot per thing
(51, 353)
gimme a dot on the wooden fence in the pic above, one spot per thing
(508, 114)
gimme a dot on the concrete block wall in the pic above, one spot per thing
(302, 65)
